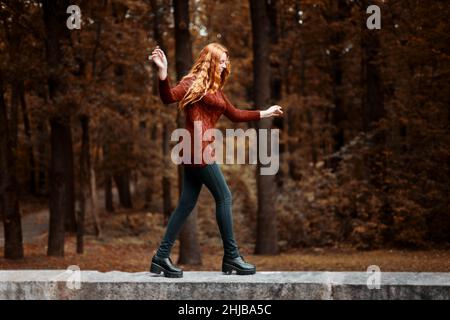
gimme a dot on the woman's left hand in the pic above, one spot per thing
(273, 111)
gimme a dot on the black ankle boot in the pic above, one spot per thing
(166, 266)
(239, 264)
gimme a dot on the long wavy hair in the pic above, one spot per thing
(207, 72)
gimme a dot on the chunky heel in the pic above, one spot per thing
(227, 269)
(155, 268)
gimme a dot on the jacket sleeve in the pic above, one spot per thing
(238, 115)
(170, 95)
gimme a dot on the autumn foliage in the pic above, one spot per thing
(364, 154)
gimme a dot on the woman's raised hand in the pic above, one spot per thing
(159, 58)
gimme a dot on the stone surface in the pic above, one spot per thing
(62, 284)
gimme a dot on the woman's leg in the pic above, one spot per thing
(214, 180)
(191, 189)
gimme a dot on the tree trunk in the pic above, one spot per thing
(62, 213)
(122, 180)
(166, 184)
(189, 245)
(41, 163)
(13, 116)
(373, 103)
(9, 202)
(122, 177)
(267, 239)
(93, 203)
(109, 205)
(32, 187)
(61, 184)
(87, 201)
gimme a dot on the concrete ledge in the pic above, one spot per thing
(62, 284)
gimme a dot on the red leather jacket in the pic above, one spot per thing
(207, 110)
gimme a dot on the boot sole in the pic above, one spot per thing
(228, 269)
(155, 268)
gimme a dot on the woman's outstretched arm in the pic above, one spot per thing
(238, 115)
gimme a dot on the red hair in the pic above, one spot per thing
(207, 72)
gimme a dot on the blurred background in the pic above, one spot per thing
(85, 170)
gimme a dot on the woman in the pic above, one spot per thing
(201, 98)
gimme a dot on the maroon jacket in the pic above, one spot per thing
(208, 110)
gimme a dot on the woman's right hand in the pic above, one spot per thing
(159, 58)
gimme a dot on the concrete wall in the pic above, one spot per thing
(63, 284)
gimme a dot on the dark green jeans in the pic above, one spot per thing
(193, 180)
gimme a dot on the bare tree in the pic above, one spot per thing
(267, 239)
(189, 245)
(62, 208)
(9, 203)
